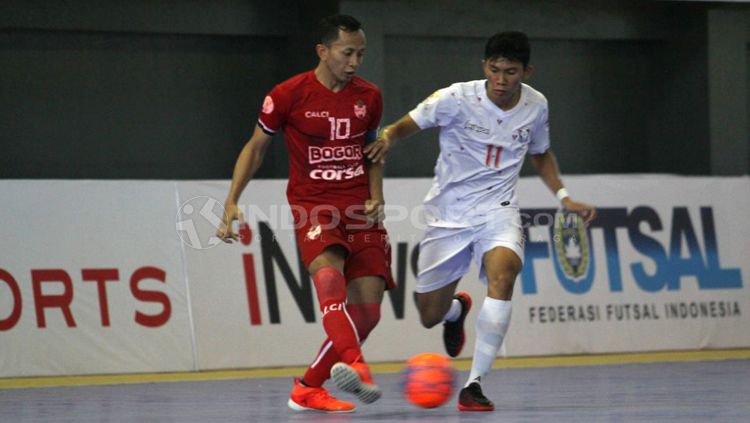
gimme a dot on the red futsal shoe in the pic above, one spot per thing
(305, 398)
(356, 379)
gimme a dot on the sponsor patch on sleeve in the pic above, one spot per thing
(267, 104)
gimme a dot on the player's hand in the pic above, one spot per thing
(225, 231)
(377, 150)
(374, 210)
(586, 211)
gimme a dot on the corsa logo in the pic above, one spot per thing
(337, 174)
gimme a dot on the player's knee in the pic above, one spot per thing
(330, 286)
(500, 284)
(502, 278)
(333, 256)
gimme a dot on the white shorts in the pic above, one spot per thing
(445, 253)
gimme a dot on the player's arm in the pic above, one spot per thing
(374, 205)
(403, 128)
(546, 165)
(248, 162)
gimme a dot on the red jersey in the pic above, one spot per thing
(325, 134)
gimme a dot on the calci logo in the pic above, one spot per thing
(691, 252)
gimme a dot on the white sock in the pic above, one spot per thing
(454, 312)
(491, 326)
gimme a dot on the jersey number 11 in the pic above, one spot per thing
(489, 162)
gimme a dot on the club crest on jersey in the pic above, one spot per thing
(313, 233)
(521, 135)
(572, 245)
(360, 109)
(267, 104)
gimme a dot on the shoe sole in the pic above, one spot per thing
(347, 379)
(462, 407)
(296, 407)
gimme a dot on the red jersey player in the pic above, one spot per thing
(328, 115)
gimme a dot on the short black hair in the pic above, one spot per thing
(511, 45)
(328, 27)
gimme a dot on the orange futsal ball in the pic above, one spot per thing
(428, 380)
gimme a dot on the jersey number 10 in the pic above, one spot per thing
(340, 128)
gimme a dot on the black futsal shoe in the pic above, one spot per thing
(471, 398)
(453, 332)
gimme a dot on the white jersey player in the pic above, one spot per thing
(482, 149)
(487, 127)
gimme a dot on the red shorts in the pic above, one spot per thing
(368, 247)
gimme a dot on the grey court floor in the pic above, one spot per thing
(715, 391)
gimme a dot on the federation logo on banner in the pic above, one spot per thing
(572, 245)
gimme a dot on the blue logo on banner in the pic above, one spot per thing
(573, 263)
(573, 256)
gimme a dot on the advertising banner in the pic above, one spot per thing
(91, 279)
(663, 267)
(128, 276)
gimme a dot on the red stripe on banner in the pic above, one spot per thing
(252, 289)
(16, 304)
(489, 154)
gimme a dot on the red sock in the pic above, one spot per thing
(320, 369)
(331, 288)
(365, 318)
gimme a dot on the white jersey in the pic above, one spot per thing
(482, 149)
